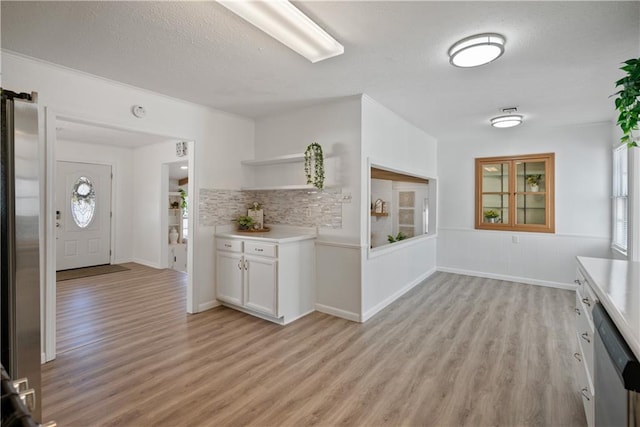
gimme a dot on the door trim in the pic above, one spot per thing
(47, 232)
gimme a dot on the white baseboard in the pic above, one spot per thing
(148, 263)
(525, 280)
(207, 305)
(381, 305)
(349, 315)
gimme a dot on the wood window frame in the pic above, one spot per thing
(512, 193)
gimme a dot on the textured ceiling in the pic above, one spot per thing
(560, 62)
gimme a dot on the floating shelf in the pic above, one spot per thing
(379, 214)
(288, 158)
(283, 187)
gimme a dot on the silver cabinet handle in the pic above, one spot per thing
(29, 399)
(587, 301)
(21, 385)
(258, 250)
(585, 393)
(578, 356)
(578, 311)
(240, 265)
(578, 282)
(226, 245)
(585, 336)
(246, 264)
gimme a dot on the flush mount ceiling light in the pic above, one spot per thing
(476, 50)
(507, 120)
(287, 24)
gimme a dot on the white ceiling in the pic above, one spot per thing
(560, 62)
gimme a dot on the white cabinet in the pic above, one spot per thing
(178, 257)
(272, 280)
(260, 282)
(229, 277)
(585, 332)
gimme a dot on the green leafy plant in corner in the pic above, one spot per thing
(491, 213)
(315, 174)
(397, 238)
(534, 179)
(244, 222)
(628, 101)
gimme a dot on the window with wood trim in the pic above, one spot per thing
(515, 193)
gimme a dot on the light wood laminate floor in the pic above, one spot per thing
(456, 350)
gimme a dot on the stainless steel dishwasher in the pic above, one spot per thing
(616, 376)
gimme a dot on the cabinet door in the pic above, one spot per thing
(261, 282)
(229, 268)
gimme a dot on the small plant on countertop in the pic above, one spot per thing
(244, 222)
(314, 153)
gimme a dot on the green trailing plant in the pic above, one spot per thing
(245, 222)
(628, 101)
(491, 213)
(397, 238)
(315, 172)
(534, 179)
(183, 199)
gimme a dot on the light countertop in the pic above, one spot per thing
(275, 235)
(617, 286)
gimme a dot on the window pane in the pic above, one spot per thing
(495, 204)
(83, 202)
(495, 178)
(530, 209)
(530, 176)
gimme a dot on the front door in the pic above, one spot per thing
(83, 215)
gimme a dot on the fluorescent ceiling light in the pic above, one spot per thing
(285, 23)
(184, 167)
(476, 50)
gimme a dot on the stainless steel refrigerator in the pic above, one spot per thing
(20, 247)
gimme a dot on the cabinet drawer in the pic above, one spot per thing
(586, 395)
(229, 245)
(259, 248)
(587, 295)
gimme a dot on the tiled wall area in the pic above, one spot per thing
(303, 208)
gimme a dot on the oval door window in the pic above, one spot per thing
(83, 202)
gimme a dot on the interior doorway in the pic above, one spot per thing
(175, 179)
(78, 139)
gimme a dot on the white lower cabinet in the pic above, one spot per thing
(229, 273)
(271, 280)
(584, 327)
(261, 278)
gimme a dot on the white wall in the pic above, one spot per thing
(221, 139)
(150, 205)
(121, 160)
(388, 140)
(336, 127)
(582, 204)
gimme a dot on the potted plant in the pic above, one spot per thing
(628, 101)
(183, 199)
(313, 154)
(534, 182)
(491, 215)
(245, 222)
(397, 238)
